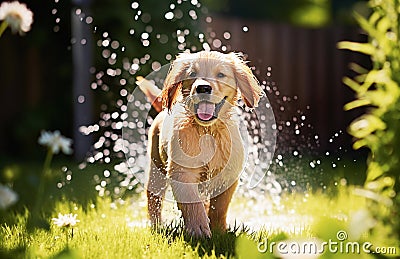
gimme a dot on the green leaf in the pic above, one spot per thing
(384, 24)
(366, 48)
(374, 77)
(352, 84)
(374, 171)
(372, 19)
(358, 69)
(367, 25)
(356, 103)
(359, 144)
(380, 98)
(371, 27)
(365, 125)
(378, 76)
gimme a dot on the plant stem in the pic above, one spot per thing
(3, 27)
(42, 181)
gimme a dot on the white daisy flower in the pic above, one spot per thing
(17, 16)
(55, 141)
(66, 220)
(7, 197)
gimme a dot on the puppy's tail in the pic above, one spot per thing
(152, 92)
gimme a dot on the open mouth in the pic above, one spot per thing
(207, 111)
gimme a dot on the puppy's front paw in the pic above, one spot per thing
(197, 223)
(198, 229)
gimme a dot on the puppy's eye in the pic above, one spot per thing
(220, 75)
(192, 74)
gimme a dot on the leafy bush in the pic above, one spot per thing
(378, 90)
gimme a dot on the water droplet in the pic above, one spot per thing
(227, 35)
(135, 5)
(89, 20)
(145, 36)
(217, 43)
(81, 99)
(206, 46)
(106, 173)
(193, 14)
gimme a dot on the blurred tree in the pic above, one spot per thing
(82, 58)
(35, 75)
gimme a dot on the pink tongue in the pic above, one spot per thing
(205, 110)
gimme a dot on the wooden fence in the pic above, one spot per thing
(301, 62)
(303, 65)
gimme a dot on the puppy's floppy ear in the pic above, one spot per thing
(173, 83)
(247, 83)
(169, 95)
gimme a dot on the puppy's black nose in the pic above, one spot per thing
(203, 89)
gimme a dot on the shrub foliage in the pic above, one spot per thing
(377, 90)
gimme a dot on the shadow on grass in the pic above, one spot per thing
(222, 243)
(18, 252)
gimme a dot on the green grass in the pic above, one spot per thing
(116, 230)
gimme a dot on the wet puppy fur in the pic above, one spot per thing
(194, 142)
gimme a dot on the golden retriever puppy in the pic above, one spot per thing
(195, 142)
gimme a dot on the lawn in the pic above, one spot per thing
(118, 228)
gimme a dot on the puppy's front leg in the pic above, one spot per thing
(219, 208)
(185, 189)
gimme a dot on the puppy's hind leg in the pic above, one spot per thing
(157, 182)
(155, 194)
